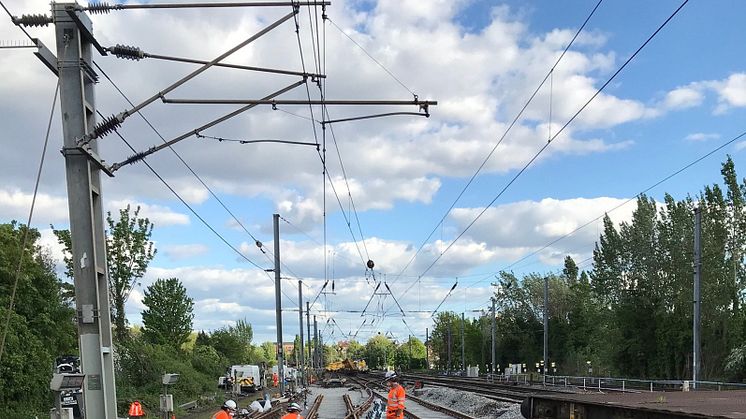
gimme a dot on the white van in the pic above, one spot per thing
(248, 376)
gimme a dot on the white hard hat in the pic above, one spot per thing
(293, 407)
(390, 375)
(230, 404)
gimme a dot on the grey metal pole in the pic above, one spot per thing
(449, 348)
(427, 348)
(78, 105)
(493, 335)
(278, 304)
(697, 295)
(463, 349)
(301, 363)
(315, 343)
(546, 326)
(308, 329)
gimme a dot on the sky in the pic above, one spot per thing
(682, 96)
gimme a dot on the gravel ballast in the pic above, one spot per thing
(470, 403)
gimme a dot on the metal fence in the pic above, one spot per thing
(613, 384)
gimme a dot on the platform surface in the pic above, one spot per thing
(724, 404)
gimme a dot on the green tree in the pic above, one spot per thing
(168, 317)
(129, 251)
(41, 325)
(570, 271)
(379, 352)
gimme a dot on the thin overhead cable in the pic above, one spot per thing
(616, 207)
(199, 217)
(13, 19)
(561, 130)
(349, 190)
(24, 240)
(389, 72)
(268, 253)
(500, 140)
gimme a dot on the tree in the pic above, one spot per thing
(571, 269)
(41, 325)
(203, 339)
(168, 317)
(129, 251)
(379, 352)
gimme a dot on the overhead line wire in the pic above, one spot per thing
(502, 137)
(268, 253)
(616, 207)
(389, 72)
(24, 240)
(548, 143)
(12, 18)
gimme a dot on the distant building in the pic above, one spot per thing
(286, 346)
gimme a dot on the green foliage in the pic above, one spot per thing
(129, 251)
(167, 320)
(411, 354)
(631, 315)
(41, 327)
(141, 364)
(379, 352)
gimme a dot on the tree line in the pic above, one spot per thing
(631, 313)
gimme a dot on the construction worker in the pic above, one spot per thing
(227, 411)
(395, 402)
(293, 412)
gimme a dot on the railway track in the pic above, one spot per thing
(494, 391)
(420, 409)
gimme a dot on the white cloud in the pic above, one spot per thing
(15, 204)
(159, 215)
(740, 145)
(185, 251)
(731, 91)
(701, 136)
(683, 98)
(524, 227)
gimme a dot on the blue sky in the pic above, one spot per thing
(682, 96)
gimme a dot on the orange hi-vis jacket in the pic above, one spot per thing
(293, 415)
(395, 406)
(221, 415)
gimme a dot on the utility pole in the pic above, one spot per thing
(278, 304)
(427, 348)
(697, 295)
(463, 351)
(73, 31)
(409, 366)
(493, 334)
(301, 363)
(315, 343)
(308, 329)
(546, 327)
(449, 348)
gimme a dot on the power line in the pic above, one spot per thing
(24, 239)
(389, 72)
(199, 217)
(582, 108)
(616, 207)
(502, 137)
(525, 167)
(13, 19)
(267, 252)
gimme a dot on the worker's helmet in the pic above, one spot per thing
(230, 404)
(293, 407)
(390, 375)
